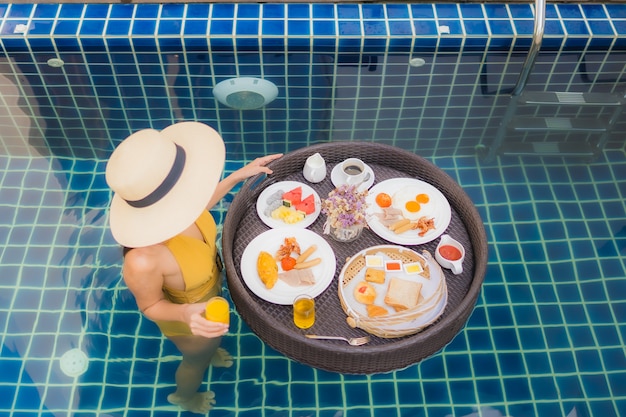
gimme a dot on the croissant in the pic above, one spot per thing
(268, 269)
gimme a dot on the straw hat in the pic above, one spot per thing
(162, 181)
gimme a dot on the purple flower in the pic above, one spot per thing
(345, 206)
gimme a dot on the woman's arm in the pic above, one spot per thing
(145, 280)
(255, 167)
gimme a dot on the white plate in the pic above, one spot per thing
(438, 207)
(261, 204)
(430, 286)
(338, 179)
(283, 293)
(434, 289)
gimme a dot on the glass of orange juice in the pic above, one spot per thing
(218, 310)
(304, 311)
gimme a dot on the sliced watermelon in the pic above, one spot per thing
(293, 197)
(307, 206)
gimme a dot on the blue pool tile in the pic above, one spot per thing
(397, 11)
(570, 11)
(323, 11)
(46, 11)
(248, 11)
(247, 27)
(472, 11)
(500, 27)
(118, 27)
(575, 27)
(298, 28)
(223, 11)
(121, 11)
(373, 11)
(595, 385)
(422, 11)
(375, 28)
(173, 10)
(399, 28)
(348, 11)
(196, 27)
(476, 27)
(20, 10)
(221, 27)
(169, 27)
(516, 389)
(521, 11)
(349, 28)
(446, 11)
(275, 27)
(273, 11)
(92, 27)
(594, 11)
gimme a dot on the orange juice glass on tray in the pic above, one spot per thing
(218, 310)
(304, 311)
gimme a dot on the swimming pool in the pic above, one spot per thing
(547, 335)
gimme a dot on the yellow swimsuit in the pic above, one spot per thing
(197, 262)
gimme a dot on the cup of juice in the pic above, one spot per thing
(218, 309)
(304, 311)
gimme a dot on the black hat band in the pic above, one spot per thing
(167, 184)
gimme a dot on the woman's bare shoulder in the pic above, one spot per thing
(141, 262)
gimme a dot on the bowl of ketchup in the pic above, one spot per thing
(450, 254)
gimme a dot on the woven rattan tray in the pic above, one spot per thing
(273, 323)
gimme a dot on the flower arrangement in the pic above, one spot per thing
(345, 210)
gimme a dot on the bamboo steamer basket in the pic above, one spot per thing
(395, 324)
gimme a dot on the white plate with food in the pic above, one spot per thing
(391, 268)
(393, 285)
(288, 204)
(407, 211)
(311, 280)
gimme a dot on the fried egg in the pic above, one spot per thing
(406, 200)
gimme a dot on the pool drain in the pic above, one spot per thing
(74, 362)
(245, 93)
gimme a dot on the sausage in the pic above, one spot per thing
(399, 224)
(304, 255)
(406, 227)
(308, 264)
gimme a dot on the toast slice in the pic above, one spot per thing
(402, 294)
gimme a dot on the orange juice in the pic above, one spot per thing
(217, 309)
(304, 312)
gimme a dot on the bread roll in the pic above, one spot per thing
(374, 310)
(375, 275)
(364, 293)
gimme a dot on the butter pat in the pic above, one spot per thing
(413, 268)
(373, 261)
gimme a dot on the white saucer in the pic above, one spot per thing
(337, 178)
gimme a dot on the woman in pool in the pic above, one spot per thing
(164, 183)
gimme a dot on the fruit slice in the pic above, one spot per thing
(307, 206)
(293, 197)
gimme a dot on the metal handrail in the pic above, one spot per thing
(529, 63)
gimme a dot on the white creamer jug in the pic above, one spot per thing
(314, 168)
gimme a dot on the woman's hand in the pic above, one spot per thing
(256, 167)
(199, 325)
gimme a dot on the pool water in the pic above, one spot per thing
(547, 336)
